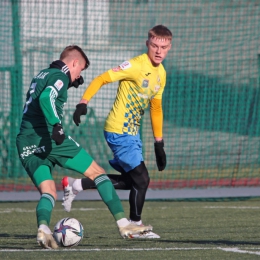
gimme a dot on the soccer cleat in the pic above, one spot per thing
(145, 235)
(46, 240)
(69, 194)
(133, 229)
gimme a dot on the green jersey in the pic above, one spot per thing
(45, 101)
(43, 109)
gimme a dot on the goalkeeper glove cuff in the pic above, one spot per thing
(160, 155)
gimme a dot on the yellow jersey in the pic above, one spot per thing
(139, 83)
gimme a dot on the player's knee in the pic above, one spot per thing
(94, 170)
(144, 182)
(140, 176)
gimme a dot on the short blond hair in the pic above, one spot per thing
(160, 31)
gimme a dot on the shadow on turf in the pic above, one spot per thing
(13, 245)
(18, 236)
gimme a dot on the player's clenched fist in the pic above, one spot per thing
(81, 109)
(58, 134)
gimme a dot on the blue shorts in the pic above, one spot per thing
(127, 150)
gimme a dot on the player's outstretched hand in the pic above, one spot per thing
(160, 155)
(81, 109)
(58, 134)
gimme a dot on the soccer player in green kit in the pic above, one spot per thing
(42, 143)
(141, 83)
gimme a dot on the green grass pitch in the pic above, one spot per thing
(188, 230)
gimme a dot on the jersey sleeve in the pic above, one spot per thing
(126, 70)
(55, 87)
(95, 85)
(156, 113)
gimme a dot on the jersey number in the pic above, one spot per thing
(27, 103)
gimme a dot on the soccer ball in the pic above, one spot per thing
(68, 232)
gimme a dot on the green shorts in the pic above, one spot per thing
(35, 151)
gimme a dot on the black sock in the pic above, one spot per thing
(87, 184)
(120, 182)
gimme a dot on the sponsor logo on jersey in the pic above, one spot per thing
(125, 65)
(147, 74)
(145, 83)
(144, 96)
(116, 69)
(58, 84)
(33, 149)
(156, 88)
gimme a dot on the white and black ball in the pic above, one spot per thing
(68, 232)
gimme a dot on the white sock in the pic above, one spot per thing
(77, 186)
(137, 222)
(123, 222)
(45, 229)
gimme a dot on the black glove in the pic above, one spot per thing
(77, 82)
(160, 155)
(58, 134)
(81, 109)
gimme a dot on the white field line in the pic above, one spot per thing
(230, 207)
(10, 210)
(106, 249)
(237, 250)
(234, 250)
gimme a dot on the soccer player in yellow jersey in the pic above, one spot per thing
(141, 83)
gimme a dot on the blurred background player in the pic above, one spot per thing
(141, 83)
(42, 143)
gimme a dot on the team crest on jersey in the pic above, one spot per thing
(156, 88)
(125, 65)
(145, 83)
(58, 84)
(116, 69)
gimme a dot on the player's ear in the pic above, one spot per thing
(147, 43)
(75, 62)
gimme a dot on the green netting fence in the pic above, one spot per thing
(211, 102)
